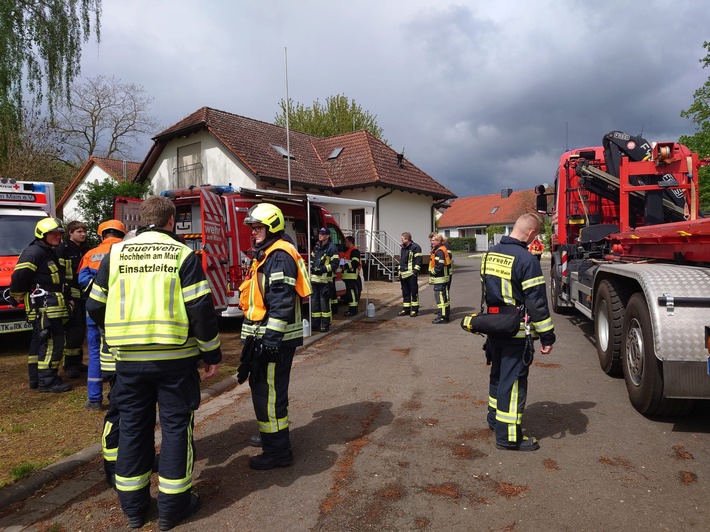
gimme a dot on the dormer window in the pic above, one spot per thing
(281, 151)
(334, 154)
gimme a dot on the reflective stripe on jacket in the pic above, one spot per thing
(410, 261)
(439, 262)
(146, 303)
(514, 277)
(272, 306)
(352, 266)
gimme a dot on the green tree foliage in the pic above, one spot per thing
(95, 201)
(338, 115)
(699, 114)
(40, 51)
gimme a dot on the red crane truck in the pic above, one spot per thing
(630, 252)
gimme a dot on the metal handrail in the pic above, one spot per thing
(380, 248)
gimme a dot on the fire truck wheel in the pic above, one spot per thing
(608, 318)
(642, 370)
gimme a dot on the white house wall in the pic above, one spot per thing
(96, 174)
(399, 212)
(218, 166)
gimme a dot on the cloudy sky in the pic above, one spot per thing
(480, 95)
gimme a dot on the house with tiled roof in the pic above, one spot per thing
(220, 148)
(96, 170)
(472, 216)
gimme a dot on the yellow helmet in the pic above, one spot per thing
(47, 225)
(116, 225)
(267, 214)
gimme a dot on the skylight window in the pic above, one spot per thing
(281, 151)
(334, 154)
(493, 210)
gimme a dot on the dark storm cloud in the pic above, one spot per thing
(481, 96)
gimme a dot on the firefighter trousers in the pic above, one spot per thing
(320, 301)
(508, 389)
(410, 294)
(441, 298)
(110, 436)
(45, 353)
(269, 381)
(74, 333)
(177, 394)
(352, 292)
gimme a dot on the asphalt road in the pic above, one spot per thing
(388, 427)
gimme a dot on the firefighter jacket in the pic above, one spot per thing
(39, 267)
(410, 261)
(513, 278)
(439, 265)
(351, 264)
(271, 295)
(70, 255)
(90, 262)
(325, 260)
(152, 299)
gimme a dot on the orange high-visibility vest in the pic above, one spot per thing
(251, 297)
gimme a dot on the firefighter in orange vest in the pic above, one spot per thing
(272, 330)
(351, 267)
(439, 276)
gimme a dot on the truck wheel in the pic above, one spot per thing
(642, 370)
(608, 321)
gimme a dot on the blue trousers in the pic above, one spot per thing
(94, 381)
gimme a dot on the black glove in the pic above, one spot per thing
(270, 353)
(251, 344)
(318, 270)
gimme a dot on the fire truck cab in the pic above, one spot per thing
(22, 205)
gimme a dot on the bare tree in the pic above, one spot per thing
(34, 152)
(105, 118)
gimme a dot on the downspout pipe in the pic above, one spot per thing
(377, 201)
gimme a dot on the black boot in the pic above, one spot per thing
(277, 451)
(49, 381)
(34, 379)
(403, 312)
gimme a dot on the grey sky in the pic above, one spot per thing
(481, 95)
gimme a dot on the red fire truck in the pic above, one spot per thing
(630, 251)
(210, 219)
(22, 205)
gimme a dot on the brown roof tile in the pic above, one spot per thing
(364, 160)
(113, 167)
(477, 210)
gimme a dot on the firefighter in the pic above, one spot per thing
(70, 253)
(38, 281)
(410, 262)
(325, 260)
(351, 275)
(439, 265)
(110, 232)
(272, 330)
(152, 299)
(514, 284)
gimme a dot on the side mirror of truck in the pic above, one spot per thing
(541, 200)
